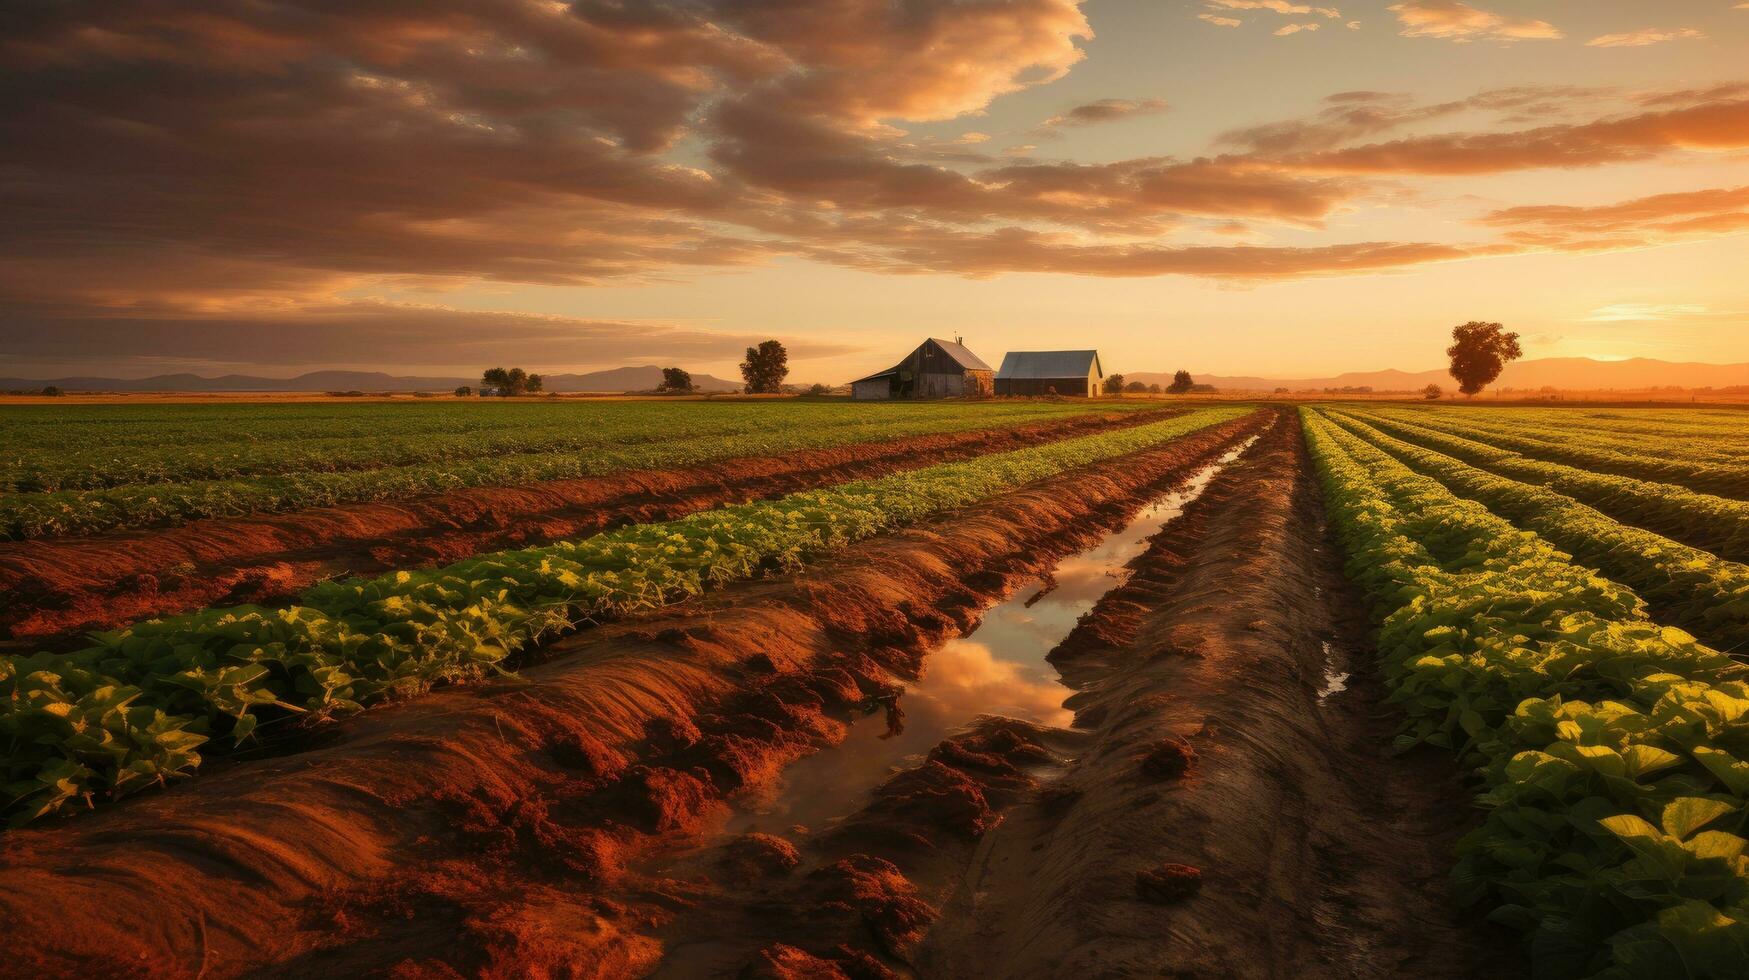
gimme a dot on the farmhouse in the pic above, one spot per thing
(936, 369)
(1075, 373)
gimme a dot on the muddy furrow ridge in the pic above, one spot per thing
(1235, 810)
(489, 829)
(854, 899)
(58, 588)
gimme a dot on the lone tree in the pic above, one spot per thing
(765, 368)
(1113, 384)
(677, 380)
(515, 381)
(464, 391)
(1137, 387)
(1433, 393)
(1181, 382)
(1479, 352)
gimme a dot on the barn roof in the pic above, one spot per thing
(957, 353)
(964, 358)
(1027, 364)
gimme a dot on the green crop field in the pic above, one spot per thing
(1566, 631)
(1558, 600)
(136, 707)
(83, 469)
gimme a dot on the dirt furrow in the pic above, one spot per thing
(488, 830)
(58, 588)
(1235, 811)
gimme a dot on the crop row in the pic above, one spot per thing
(60, 427)
(29, 515)
(72, 466)
(1716, 524)
(137, 707)
(1666, 464)
(1612, 753)
(1698, 590)
(1727, 426)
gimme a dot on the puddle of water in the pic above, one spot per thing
(998, 668)
(1335, 681)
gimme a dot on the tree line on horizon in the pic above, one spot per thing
(1479, 352)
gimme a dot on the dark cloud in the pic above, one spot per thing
(1106, 110)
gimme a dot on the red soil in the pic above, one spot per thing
(57, 588)
(1224, 817)
(489, 830)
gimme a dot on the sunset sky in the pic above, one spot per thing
(1231, 186)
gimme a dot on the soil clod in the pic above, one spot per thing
(1168, 884)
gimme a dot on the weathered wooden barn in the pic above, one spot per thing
(936, 369)
(1072, 373)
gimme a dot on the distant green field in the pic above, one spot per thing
(85, 468)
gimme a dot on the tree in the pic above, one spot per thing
(515, 381)
(819, 389)
(1479, 352)
(1181, 382)
(464, 392)
(1433, 393)
(1154, 389)
(1136, 387)
(765, 368)
(677, 380)
(1114, 384)
(52, 391)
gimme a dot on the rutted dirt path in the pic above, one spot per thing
(1224, 806)
(1233, 809)
(58, 588)
(496, 829)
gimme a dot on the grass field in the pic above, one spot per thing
(1351, 609)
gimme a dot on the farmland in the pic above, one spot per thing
(958, 689)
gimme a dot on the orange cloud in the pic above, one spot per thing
(1279, 6)
(1720, 125)
(188, 165)
(1461, 22)
(1353, 115)
(1661, 217)
(1641, 38)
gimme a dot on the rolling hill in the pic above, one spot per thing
(1569, 373)
(615, 380)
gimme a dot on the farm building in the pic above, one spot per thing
(1074, 373)
(936, 369)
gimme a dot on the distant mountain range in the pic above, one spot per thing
(1568, 373)
(615, 380)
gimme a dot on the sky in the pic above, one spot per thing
(1235, 187)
